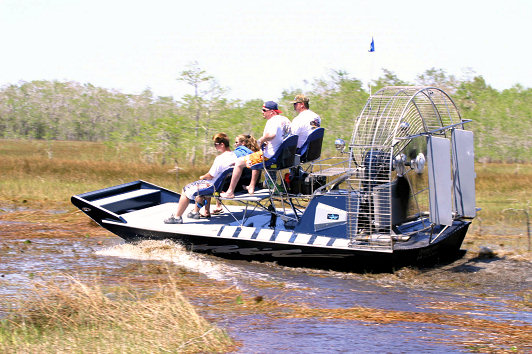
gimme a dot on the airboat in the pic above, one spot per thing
(400, 193)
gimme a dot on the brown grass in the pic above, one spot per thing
(68, 315)
(30, 174)
(503, 186)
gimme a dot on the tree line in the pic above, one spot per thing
(172, 130)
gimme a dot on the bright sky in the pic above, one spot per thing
(257, 49)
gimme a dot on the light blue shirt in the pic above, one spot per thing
(241, 150)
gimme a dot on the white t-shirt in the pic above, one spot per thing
(303, 124)
(221, 163)
(280, 126)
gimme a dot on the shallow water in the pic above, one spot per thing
(22, 260)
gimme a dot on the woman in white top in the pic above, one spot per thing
(222, 162)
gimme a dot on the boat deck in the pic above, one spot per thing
(156, 215)
(226, 225)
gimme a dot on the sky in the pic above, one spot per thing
(256, 49)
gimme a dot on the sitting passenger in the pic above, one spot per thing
(306, 120)
(222, 162)
(277, 127)
(244, 145)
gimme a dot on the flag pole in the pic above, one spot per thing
(371, 50)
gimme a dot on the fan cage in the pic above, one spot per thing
(390, 120)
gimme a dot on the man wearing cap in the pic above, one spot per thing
(306, 120)
(276, 129)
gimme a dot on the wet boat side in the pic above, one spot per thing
(290, 248)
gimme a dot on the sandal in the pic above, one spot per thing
(193, 215)
(207, 216)
(217, 211)
(173, 220)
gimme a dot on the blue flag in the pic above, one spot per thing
(371, 46)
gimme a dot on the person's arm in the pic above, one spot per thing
(206, 176)
(265, 138)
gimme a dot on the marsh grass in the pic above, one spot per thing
(38, 171)
(500, 186)
(69, 315)
(503, 193)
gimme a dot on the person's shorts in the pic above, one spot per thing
(254, 158)
(200, 187)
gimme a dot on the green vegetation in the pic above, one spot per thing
(77, 317)
(172, 132)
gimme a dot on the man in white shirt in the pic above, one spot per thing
(306, 120)
(276, 129)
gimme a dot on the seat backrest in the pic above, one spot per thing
(223, 179)
(311, 148)
(218, 183)
(283, 157)
(222, 182)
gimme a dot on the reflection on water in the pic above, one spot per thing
(340, 336)
(23, 260)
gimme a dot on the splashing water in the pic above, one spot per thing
(167, 251)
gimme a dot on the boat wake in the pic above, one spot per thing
(169, 251)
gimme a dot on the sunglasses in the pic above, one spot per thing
(216, 144)
(266, 110)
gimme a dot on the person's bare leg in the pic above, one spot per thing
(218, 209)
(253, 182)
(237, 172)
(200, 201)
(207, 212)
(182, 205)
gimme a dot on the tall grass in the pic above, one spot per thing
(36, 171)
(500, 187)
(81, 317)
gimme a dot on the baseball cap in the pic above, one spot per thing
(271, 106)
(300, 98)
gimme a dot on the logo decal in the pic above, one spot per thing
(328, 216)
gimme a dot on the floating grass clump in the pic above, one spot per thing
(75, 316)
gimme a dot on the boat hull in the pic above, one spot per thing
(135, 211)
(445, 248)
